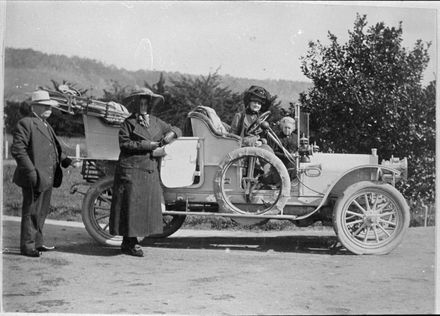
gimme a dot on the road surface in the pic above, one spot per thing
(199, 272)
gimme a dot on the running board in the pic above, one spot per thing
(273, 216)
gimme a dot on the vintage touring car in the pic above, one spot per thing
(208, 172)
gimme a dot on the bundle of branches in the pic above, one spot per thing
(72, 103)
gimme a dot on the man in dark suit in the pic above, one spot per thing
(38, 154)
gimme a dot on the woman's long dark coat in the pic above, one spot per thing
(137, 192)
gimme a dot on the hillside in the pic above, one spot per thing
(25, 69)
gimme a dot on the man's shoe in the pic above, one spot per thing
(135, 250)
(31, 253)
(46, 248)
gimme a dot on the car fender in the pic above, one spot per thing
(372, 173)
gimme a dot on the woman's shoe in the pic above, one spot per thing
(46, 248)
(134, 250)
(31, 253)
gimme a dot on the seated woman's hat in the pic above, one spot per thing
(42, 97)
(256, 93)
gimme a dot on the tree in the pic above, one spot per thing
(186, 93)
(13, 113)
(421, 149)
(117, 93)
(367, 94)
(159, 87)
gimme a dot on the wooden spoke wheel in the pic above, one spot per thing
(96, 214)
(371, 218)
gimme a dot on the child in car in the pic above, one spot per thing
(289, 140)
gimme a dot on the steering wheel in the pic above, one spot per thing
(253, 128)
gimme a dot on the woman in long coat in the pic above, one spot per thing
(137, 192)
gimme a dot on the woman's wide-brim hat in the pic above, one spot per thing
(41, 97)
(142, 92)
(257, 93)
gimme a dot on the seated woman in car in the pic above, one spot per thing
(256, 101)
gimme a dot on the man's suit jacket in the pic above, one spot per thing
(36, 147)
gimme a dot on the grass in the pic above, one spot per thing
(418, 215)
(64, 206)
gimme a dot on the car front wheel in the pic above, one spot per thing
(371, 218)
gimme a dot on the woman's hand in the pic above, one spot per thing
(154, 145)
(159, 152)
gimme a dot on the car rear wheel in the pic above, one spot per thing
(371, 218)
(96, 214)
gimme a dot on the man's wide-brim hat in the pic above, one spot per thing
(144, 92)
(41, 97)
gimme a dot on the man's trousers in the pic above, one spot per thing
(34, 211)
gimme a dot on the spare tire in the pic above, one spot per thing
(268, 199)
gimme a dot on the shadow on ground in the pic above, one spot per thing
(298, 243)
(91, 249)
(77, 240)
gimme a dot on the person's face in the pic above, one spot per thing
(42, 110)
(143, 106)
(288, 129)
(255, 106)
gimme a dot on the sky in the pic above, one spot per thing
(247, 39)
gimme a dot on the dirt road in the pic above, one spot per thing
(218, 272)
